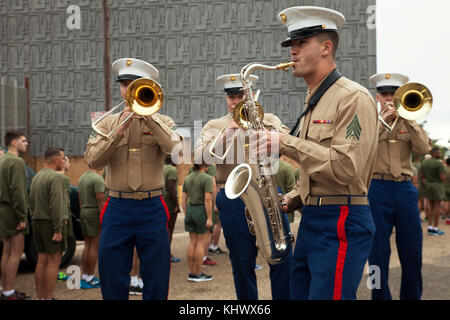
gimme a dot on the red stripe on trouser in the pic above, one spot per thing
(167, 227)
(341, 253)
(103, 210)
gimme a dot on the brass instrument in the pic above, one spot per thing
(144, 97)
(412, 101)
(238, 109)
(256, 188)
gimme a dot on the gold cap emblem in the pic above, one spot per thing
(283, 17)
(129, 62)
(388, 76)
(232, 78)
(324, 26)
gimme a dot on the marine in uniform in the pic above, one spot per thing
(285, 179)
(240, 242)
(91, 190)
(135, 212)
(13, 211)
(335, 143)
(170, 173)
(49, 212)
(393, 197)
(198, 190)
(433, 177)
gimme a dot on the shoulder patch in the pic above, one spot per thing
(354, 129)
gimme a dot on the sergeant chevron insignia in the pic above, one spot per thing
(354, 129)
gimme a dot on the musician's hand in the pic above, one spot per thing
(389, 114)
(285, 203)
(265, 142)
(125, 113)
(21, 226)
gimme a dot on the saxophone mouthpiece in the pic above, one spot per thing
(285, 66)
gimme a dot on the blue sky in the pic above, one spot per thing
(413, 39)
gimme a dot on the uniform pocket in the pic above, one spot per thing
(149, 149)
(321, 133)
(121, 153)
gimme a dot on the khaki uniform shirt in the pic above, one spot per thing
(48, 198)
(156, 140)
(337, 143)
(212, 129)
(13, 187)
(395, 147)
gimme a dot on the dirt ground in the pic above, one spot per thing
(436, 273)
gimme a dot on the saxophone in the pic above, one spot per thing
(251, 182)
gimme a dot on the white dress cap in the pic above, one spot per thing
(388, 82)
(306, 21)
(132, 69)
(232, 82)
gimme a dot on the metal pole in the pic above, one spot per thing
(106, 56)
(27, 87)
(2, 108)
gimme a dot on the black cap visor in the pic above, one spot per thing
(387, 89)
(123, 77)
(236, 90)
(303, 33)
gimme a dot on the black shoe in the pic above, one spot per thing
(199, 278)
(216, 251)
(135, 291)
(15, 296)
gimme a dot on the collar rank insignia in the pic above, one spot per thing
(148, 132)
(354, 129)
(323, 121)
(402, 131)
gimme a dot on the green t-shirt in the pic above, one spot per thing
(48, 198)
(447, 178)
(89, 185)
(432, 169)
(196, 185)
(285, 177)
(13, 187)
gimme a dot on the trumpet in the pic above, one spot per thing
(144, 96)
(412, 101)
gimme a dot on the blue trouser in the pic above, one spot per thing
(243, 251)
(395, 204)
(332, 248)
(127, 223)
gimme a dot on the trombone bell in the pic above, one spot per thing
(413, 101)
(144, 96)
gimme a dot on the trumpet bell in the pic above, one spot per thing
(242, 118)
(413, 101)
(144, 96)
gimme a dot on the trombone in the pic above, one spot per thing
(144, 96)
(241, 118)
(412, 101)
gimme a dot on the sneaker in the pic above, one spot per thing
(62, 277)
(216, 251)
(15, 296)
(135, 291)
(174, 259)
(200, 278)
(94, 283)
(258, 267)
(439, 232)
(432, 232)
(209, 262)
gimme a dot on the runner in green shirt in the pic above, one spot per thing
(91, 195)
(285, 180)
(48, 204)
(198, 188)
(433, 176)
(13, 211)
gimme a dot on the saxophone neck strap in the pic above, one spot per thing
(326, 84)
